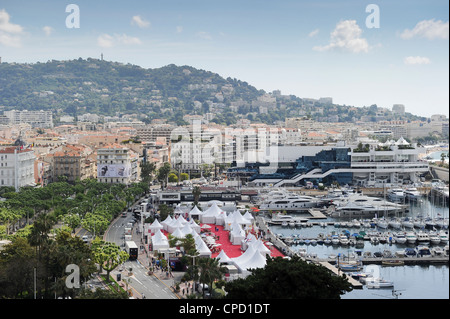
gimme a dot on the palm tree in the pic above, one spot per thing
(210, 271)
(196, 191)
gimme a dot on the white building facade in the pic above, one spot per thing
(17, 167)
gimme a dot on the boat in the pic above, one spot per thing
(335, 240)
(419, 223)
(412, 194)
(407, 223)
(430, 223)
(284, 224)
(280, 218)
(410, 252)
(444, 237)
(423, 237)
(382, 223)
(434, 238)
(396, 194)
(372, 282)
(343, 239)
(424, 251)
(437, 251)
(411, 237)
(392, 262)
(292, 224)
(374, 240)
(395, 223)
(400, 238)
(400, 253)
(361, 206)
(288, 201)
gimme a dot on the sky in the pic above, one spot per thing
(360, 53)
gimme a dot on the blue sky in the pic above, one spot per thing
(307, 48)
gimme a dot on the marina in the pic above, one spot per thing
(409, 243)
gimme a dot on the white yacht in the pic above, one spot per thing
(362, 206)
(279, 201)
(423, 237)
(443, 236)
(382, 223)
(411, 237)
(395, 223)
(407, 223)
(412, 194)
(400, 238)
(434, 238)
(396, 194)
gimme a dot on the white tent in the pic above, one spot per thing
(248, 216)
(257, 260)
(237, 234)
(244, 257)
(259, 246)
(196, 227)
(187, 229)
(174, 225)
(223, 258)
(166, 222)
(201, 247)
(155, 226)
(209, 216)
(195, 213)
(240, 219)
(178, 233)
(159, 240)
(220, 219)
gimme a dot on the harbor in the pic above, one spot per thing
(307, 233)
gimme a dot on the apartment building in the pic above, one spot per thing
(74, 161)
(17, 167)
(41, 119)
(117, 164)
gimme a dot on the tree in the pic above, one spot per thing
(293, 278)
(173, 178)
(196, 191)
(163, 173)
(210, 270)
(108, 255)
(147, 170)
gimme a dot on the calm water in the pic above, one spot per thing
(412, 282)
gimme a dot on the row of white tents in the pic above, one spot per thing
(234, 222)
(253, 257)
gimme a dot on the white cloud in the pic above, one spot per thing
(346, 36)
(179, 29)
(204, 35)
(141, 23)
(429, 29)
(108, 41)
(48, 30)
(313, 33)
(9, 32)
(413, 60)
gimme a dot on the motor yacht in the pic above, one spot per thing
(396, 194)
(411, 237)
(395, 223)
(362, 206)
(412, 194)
(400, 238)
(288, 201)
(444, 237)
(434, 238)
(424, 251)
(423, 237)
(407, 223)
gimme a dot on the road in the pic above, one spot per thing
(142, 284)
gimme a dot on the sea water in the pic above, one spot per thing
(410, 281)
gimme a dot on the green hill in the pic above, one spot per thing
(80, 86)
